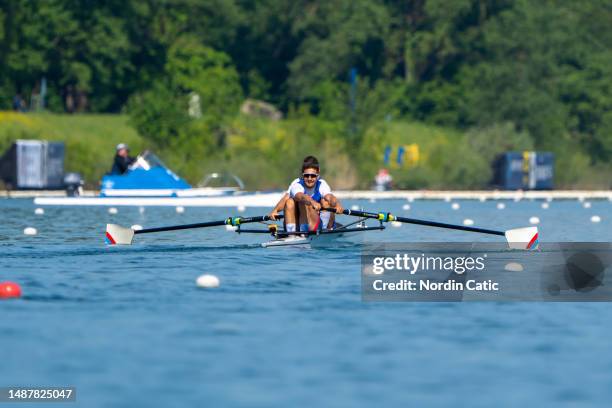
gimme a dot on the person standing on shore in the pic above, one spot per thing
(18, 103)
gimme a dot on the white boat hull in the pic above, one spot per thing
(237, 200)
(312, 241)
(289, 241)
(187, 192)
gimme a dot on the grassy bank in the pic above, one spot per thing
(266, 154)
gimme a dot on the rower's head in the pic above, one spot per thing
(310, 171)
(123, 150)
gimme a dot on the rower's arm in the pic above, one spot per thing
(280, 206)
(306, 199)
(281, 203)
(334, 202)
(330, 198)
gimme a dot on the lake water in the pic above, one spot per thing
(128, 327)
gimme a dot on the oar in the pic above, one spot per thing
(518, 238)
(118, 235)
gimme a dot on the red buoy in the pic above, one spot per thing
(9, 290)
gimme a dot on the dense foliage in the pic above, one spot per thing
(533, 73)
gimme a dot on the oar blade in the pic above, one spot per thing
(118, 235)
(522, 238)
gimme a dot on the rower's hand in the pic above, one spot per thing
(315, 205)
(339, 209)
(273, 214)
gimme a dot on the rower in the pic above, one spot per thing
(304, 199)
(122, 160)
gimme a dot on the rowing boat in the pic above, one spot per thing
(313, 239)
(116, 234)
(519, 238)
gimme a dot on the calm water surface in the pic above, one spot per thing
(128, 327)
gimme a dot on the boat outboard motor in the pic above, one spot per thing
(74, 184)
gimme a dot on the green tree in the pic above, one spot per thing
(193, 70)
(193, 67)
(337, 36)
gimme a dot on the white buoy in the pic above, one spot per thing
(517, 199)
(141, 210)
(112, 210)
(180, 209)
(596, 218)
(241, 208)
(447, 199)
(549, 199)
(39, 211)
(230, 228)
(207, 281)
(586, 204)
(411, 199)
(468, 222)
(372, 200)
(545, 206)
(483, 199)
(370, 270)
(354, 207)
(30, 231)
(396, 224)
(455, 206)
(514, 267)
(136, 227)
(501, 206)
(406, 207)
(534, 220)
(581, 199)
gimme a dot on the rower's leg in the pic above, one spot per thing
(313, 219)
(302, 215)
(290, 215)
(327, 217)
(309, 218)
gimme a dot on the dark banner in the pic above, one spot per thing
(453, 272)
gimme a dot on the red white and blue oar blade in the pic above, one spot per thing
(522, 238)
(118, 235)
